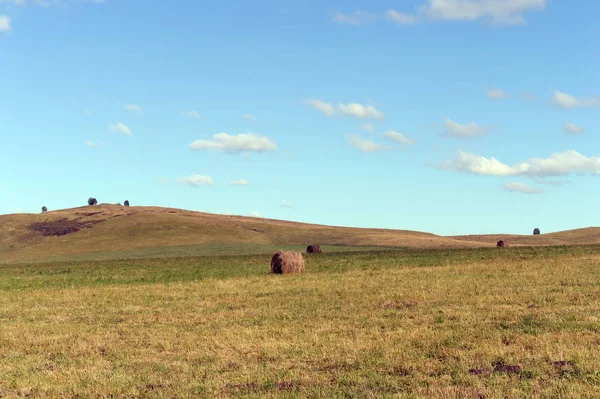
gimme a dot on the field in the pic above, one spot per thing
(442, 323)
(116, 232)
(107, 232)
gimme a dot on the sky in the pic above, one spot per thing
(445, 116)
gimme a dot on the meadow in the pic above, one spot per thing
(406, 323)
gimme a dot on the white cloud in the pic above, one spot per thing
(356, 18)
(479, 165)
(94, 144)
(286, 204)
(457, 131)
(353, 109)
(496, 94)
(239, 182)
(122, 128)
(250, 117)
(368, 127)
(192, 114)
(322, 106)
(5, 24)
(571, 128)
(522, 188)
(88, 112)
(342, 18)
(500, 12)
(134, 108)
(400, 17)
(558, 164)
(365, 145)
(399, 137)
(195, 180)
(360, 111)
(235, 143)
(255, 214)
(565, 100)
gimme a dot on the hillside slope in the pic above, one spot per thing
(585, 236)
(154, 231)
(117, 228)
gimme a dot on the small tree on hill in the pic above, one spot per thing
(126, 203)
(44, 209)
(536, 232)
(92, 201)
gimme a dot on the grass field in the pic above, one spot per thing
(403, 323)
(208, 250)
(107, 232)
(115, 232)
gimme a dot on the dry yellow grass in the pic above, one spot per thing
(585, 236)
(383, 325)
(116, 228)
(125, 228)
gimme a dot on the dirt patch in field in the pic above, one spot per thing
(478, 371)
(62, 227)
(287, 386)
(503, 368)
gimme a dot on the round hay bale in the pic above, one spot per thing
(313, 249)
(284, 262)
(501, 244)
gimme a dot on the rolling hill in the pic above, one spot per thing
(113, 231)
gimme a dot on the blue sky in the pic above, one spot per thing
(446, 116)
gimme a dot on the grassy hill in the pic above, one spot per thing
(113, 232)
(586, 236)
(414, 322)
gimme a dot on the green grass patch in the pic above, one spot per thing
(183, 251)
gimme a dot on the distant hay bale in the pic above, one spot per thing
(501, 244)
(313, 249)
(287, 262)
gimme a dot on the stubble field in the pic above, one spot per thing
(404, 323)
